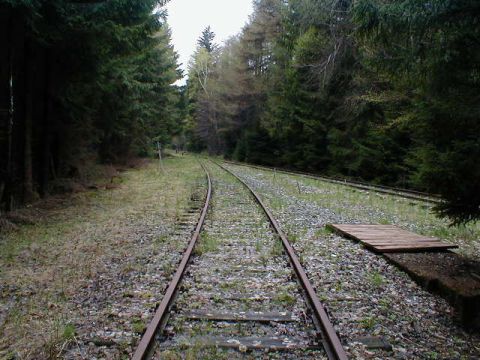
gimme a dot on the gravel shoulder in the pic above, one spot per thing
(365, 295)
(83, 280)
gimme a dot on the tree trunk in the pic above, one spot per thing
(28, 192)
(5, 74)
(11, 32)
(15, 185)
(47, 113)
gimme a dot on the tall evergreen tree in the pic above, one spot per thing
(87, 81)
(430, 52)
(381, 90)
(207, 40)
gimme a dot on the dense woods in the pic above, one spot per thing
(81, 82)
(384, 91)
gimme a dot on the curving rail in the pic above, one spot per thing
(401, 192)
(159, 319)
(327, 334)
(329, 337)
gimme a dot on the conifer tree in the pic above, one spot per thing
(206, 40)
(383, 91)
(90, 81)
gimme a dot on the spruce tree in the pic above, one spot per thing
(206, 40)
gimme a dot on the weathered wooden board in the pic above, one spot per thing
(390, 238)
(240, 316)
(374, 342)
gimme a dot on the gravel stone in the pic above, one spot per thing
(239, 266)
(364, 294)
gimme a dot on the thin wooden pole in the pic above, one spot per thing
(160, 162)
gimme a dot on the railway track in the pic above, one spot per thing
(239, 291)
(401, 192)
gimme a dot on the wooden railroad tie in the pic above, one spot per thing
(239, 316)
(271, 343)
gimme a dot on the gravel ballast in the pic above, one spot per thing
(365, 295)
(239, 267)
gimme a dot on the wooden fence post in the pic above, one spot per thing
(160, 162)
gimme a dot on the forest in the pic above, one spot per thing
(81, 83)
(384, 91)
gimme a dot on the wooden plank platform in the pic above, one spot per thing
(390, 238)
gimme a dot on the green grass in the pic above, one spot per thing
(368, 323)
(206, 244)
(385, 304)
(284, 298)
(376, 279)
(324, 231)
(138, 326)
(69, 332)
(258, 246)
(277, 248)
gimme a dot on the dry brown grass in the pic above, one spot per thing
(44, 263)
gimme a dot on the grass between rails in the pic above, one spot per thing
(372, 207)
(238, 261)
(43, 266)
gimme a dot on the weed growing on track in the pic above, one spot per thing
(206, 244)
(376, 279)
(277, 248)
(368, 323)
(138, 326)
(284, 298)
(258, 246)
(69, 332)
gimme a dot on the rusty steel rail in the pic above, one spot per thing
(330, 339)
(158, 321)
(401, 192)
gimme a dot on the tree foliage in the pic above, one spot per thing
(206, 40)
(430, 51)
(90, 81)
(381, 90)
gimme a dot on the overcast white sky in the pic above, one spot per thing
(188, 18)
